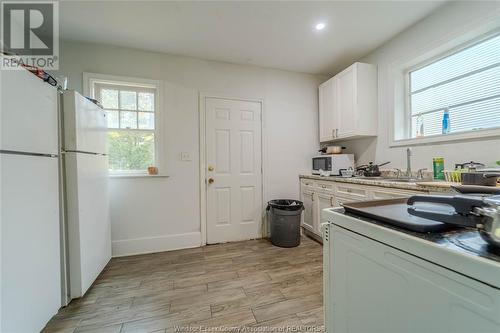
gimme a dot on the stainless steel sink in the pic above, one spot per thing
(403, 180)
(407, 180)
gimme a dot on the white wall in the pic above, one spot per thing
(449, 23)
(156, 214)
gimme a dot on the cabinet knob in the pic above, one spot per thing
(211, 180)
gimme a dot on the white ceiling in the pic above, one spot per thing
(268, 34)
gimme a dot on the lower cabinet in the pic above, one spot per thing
(318, 195)
(339, 201)
(314, 202)
(324, 200)
(372, 287)
(307, 197)
(384, 193)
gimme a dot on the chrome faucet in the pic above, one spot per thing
(409, 174)
(408, 162)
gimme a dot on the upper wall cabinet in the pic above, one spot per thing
(348, 104)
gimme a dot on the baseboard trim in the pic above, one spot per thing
(128, 247)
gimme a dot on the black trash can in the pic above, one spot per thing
(284, 216)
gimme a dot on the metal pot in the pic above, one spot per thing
(469, 166)
(480, 178)
(332, 150)
(470, 211)
(370, 169)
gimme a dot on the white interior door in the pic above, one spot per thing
(234, 170)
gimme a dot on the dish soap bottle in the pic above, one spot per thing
(446, 121)
(438, 168)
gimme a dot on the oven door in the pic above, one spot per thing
(321, 163)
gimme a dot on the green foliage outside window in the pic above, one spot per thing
(130, 150)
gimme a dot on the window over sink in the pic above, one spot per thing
(458, 92)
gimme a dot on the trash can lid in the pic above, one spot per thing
(286, 204)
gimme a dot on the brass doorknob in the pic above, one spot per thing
(210, 180)
(210, 168)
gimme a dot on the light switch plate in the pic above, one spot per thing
(185, 156)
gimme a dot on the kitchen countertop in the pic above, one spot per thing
(424, 186)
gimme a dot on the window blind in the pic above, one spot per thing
(466, 83)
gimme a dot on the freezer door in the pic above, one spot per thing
(89, 228)
(31, 271)
(28, 113)
(85, 125)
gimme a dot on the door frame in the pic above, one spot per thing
(203, 162)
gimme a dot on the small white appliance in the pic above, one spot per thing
(332, 164)
(30, 235)
(85, 160)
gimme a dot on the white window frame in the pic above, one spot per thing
(89, 82)
(401, 131)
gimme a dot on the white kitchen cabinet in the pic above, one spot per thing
(348, 104)
(320, 194)
(324, 200)
(385, 193)
(373, 287)
(325, 186)
(307, 198)
(328, 117)
(355, 192)
(339, 201)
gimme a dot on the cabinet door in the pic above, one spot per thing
(327, 110)
(352, 191)
(376, 288)
(307, 197)
(323, 201)
(339, 201)
(346, 103)
(381, 194)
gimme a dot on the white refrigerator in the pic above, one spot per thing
(30, 231)
(85, 163)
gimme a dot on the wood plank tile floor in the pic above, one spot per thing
(251, 284)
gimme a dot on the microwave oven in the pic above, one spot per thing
(332, 163)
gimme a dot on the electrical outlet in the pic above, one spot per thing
(185, 156)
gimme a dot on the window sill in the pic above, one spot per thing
(445, 138)
(137, 175)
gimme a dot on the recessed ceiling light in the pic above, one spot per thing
(320, 26)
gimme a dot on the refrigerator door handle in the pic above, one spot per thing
(63, 152)
(13, 152)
